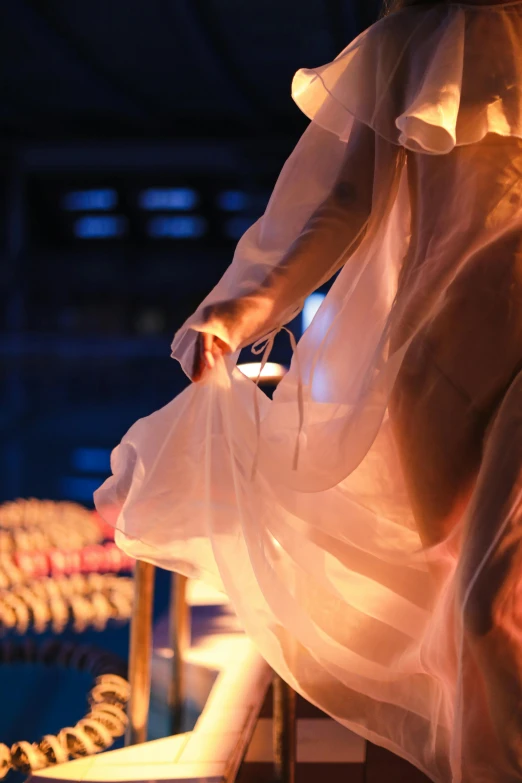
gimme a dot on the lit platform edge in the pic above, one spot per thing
(201, 594)
(229, 680)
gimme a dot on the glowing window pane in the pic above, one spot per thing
(100, 227)
(79, 200)
(168, 198)
(177, 227)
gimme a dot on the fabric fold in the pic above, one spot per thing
(326, 558)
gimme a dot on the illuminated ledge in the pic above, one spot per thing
(232, 679)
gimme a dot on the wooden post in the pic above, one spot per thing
(284, 731)
(140, 653)
(179, 632)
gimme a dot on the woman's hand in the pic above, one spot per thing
(208, 348)
(220, 317)
(240, 319)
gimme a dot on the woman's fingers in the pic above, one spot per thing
(208, 350)
(199, 364)
(208, 347)
(221, 346)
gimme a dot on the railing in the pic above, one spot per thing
(179, 633)
(140, 653)
(140, 657)
(284, 731)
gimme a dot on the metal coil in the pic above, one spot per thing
(37, 525)
(97, 731)
(85, 601)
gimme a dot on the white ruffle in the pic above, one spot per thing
(422, 78)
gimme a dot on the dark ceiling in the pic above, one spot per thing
(163, 68)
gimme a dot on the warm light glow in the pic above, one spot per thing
(271, 371)
(311, 306)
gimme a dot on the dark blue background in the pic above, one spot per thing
(123, 95)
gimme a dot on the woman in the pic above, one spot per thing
(366, 521)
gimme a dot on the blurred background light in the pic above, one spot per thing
(233, 200)
(272, 371)
(234, 228)
(91, 460)
(186, 227)
(80, 489)
(90, 200)
(100, 226)
(168, 198)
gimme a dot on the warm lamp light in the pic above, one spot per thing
(272, 372)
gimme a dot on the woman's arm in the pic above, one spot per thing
(330, 236)
(333, 232)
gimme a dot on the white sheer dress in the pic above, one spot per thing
(366, 521)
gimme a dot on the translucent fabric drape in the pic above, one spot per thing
(356, 568)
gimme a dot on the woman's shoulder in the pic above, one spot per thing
(426, 77)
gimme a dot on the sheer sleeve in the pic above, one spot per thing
(333, 231)
(290, 252)
(420, 79)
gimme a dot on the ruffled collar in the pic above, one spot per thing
(428, 78)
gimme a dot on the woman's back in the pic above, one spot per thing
(326, 511)
(466, 224)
